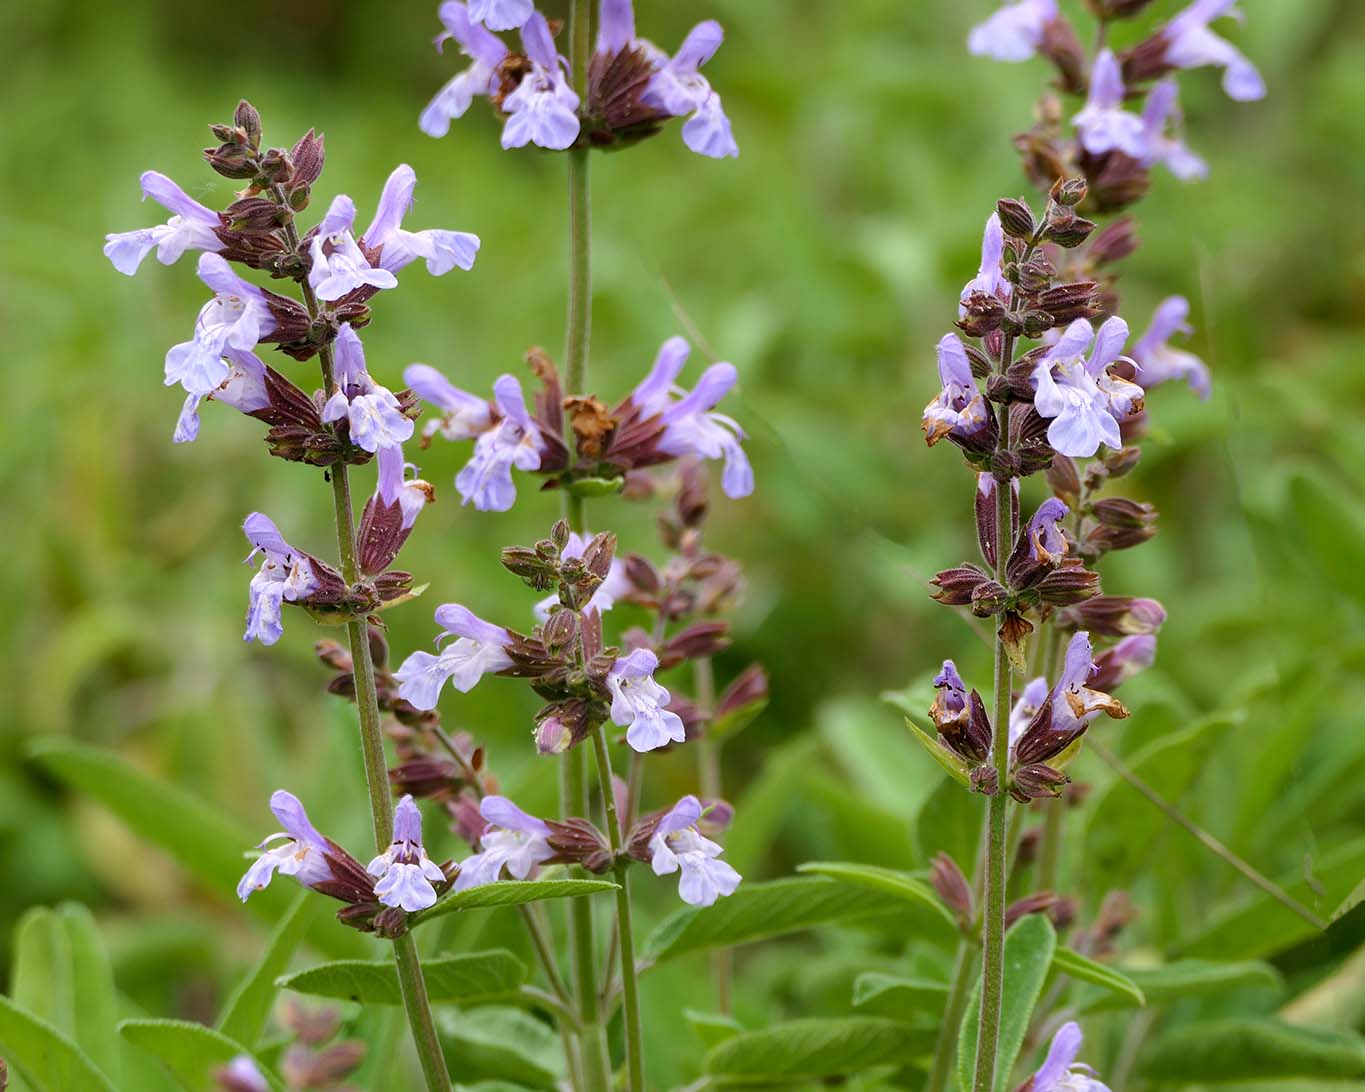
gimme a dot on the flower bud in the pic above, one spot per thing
(307, 157)
(1036, 780)
(982, 313)
(1069, 192)
(334, 655)
(1117, 665)
(956, 587)
(695, 642)
(1035, 274)
(989, 598)
(1113, 242)
(1122, 9)
(1038, 903)
(1070, 583)
(1036, 322)
(1068, 302)
(952, 888)
(1116, 616)
(1060, 45)
(559, 533)
(985, 780)
(1064, 480)
(577, 841)
(248, 120)
(530, 566)
(1069, 231)
(597, 555)
(425, 777)
(1015, 217)
(1120, 462)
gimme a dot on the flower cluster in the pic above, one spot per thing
(634, 88)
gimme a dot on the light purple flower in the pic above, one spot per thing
(244, 389)
(374, 417)
(1044, 542)
(442, 250)
(637, 703)
(543, 110)
(1074, 702)
(959, 409)
(1083, 400)
(513, 840)
(298, 850)
(678, 87)
(690, 425)
(1104, 125)
(952, 696)
(339, 265)
(285, 574)
(1013, 33)
(464, 415)
(480, 647)
(1191, 44)
(486, 53)
(604, 598)
(404, 874)
(1160, 362)
(191, 227)
(1160, 114)
(678, 845)
(242, 1075)
(515, 441)
(1060, 1071)
(501, 14)
(412, 494)
(1115, 666)
(1030, 701)
(236, 318)
(989, 277)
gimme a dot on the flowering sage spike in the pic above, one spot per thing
(513, 839)
(638, 703)
(404, 874)
(479, 648)
(677, 845)
(191, 227)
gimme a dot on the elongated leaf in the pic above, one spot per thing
(952, 765)
(761, 910)
(95, 1003)
(1079, 967)
(766, 803)
(501, 1044)
(712, 1028)
(247, 1010)
(1190, 978)
(887, 995)
(1029, 948)
(464, 979)
(816, 1049)
(48, 1060)
(1229, 1050)
(512, 893)
(192, 1052)
(41, 982)
(901, 884)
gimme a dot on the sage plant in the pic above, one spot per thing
(1042, 376)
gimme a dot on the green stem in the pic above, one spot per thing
(1050, 851)
(708, 761)
(573, 797)
(959, 990)
(630, 989)
(414, 990)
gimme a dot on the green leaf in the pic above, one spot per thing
(511, 893)
(887, 995)
(712, 1028)
(247, 1010)
(949, 821)
(1065, 961)
(464, 979)
(1228, 1050)
(761, 910)
(1029, 948)
(192, 1052)
(900, 884)
(41, 981)
(47, 1059)
(1190, 978)
(955, 767)
(209, 845)
(596, 487)
(95, 1007)
(816, 1049)
(501, 1044)
(766, 803)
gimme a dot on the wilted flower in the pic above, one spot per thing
(191, 227)
(1189, 43)
(1026, 708)
(959, 409)
(960, 717)
(403, 873)
(677, 844)
(543, 108)
(236, 318)
(284, 574)
(486, 53)
(513, 839)
(339, 265)
(1083, 400)
(1158, 361)
(1104, 125)
(480, 647)
(1040, 548)
(442, 250)
(638, 703)
(1060, 1071)
(1014, 32)
(1160, 114)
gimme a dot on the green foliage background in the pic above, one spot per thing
(824, 263)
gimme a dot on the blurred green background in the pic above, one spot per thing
(825, 263)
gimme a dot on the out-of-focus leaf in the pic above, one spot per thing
(949, 821)
(464, 979)
(955, 767)
(814, 1050)
(1190, 978)
(712, 1028)
(1228, 1050)
(41, 981)
(192, 1052)
(887, 995)
(878, 761)
(900, 884)
(501, 1044)
(1029, 947)
(764, 805)
(1337, 1001)
(245, 1014)
(95, 1004)
(46, 1058)
(1079, 967)
(512, 893)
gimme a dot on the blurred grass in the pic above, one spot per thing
(824, 262)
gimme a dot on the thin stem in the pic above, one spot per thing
(708, 761)
(414, 990)
(573, 798)
(630, 989)
(958, 992)
(1207, 840)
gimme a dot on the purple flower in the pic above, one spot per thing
(486, 54)
(241, 1075)
(1158, 361)
(374, 417)
(284, 574)
(1030, 701)
(404, 874)
(236, 318)
(637, 703)
(1060, 1071)
(678, 88)
(604, 598)
(1083, 400)
(514, 840)
(298, 850)
(1013, 33)
(1191, 44)
(678, 845)
(1162, 112)
(480, 647)
(1045, 543)
(442, 250)
(958, 410)
(339, 265)
(500, 14)
(515, 441)
(464, 415)
(191, 227)
(1117, 665)
(543, 108)
(412, 494)
(1104, 125)
(989, 277)
(1074, 703)
(244, 389)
